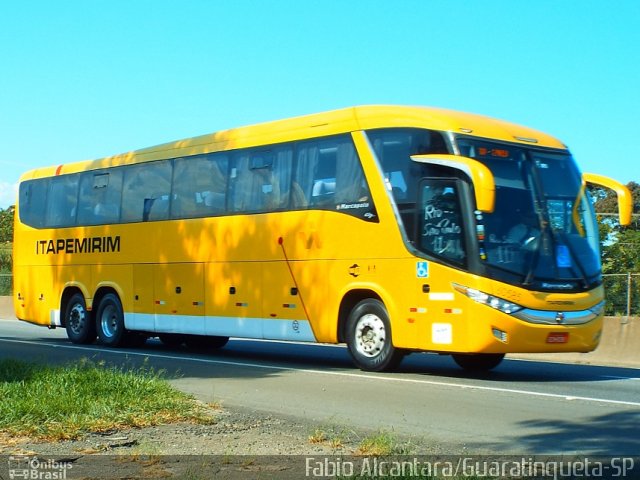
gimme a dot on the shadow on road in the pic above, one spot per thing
(271, 358)
(601, 435)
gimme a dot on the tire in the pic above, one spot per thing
(78, 322)
(110, 321)
(369, 339)
(202, 342)
(478, 362)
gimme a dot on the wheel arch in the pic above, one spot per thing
(104, 290)
(349, 301)
(69, 291)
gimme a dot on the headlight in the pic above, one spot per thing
(489, 300)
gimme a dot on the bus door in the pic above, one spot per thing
(443, 238)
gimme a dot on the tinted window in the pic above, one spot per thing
(320, 174)
(394, 147)
(99, 201)
(62, 201)
(32, 201)
(260, 179)
(146, 192)
(328, 175)
(199, 186)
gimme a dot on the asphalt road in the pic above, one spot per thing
(521, 408)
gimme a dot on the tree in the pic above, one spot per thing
(620, 247)
(6, 224)
(6, 237)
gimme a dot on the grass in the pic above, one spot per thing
(318, 436)
(333, 437)
(380, 445)
(64, 402)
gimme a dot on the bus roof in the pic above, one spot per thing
(315, 125)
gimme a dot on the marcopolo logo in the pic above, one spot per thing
(34, 468)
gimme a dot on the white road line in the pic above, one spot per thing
(383, 378)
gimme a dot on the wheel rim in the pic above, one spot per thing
(370, 335)
(109, 321)
(77, 318)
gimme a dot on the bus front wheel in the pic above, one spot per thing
(77, 321)
(478, 362)
(368, 337)
(110, 321)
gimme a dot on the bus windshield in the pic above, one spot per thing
(543, 229)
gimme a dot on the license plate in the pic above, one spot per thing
(558, 337)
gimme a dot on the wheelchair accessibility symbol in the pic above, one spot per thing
(422, 269)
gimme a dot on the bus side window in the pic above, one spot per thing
(240, 179)
(351, 186)
(260, 179)
(199, 186)
(281, 176)
(264, 193)
(62, 201)
(328, 174)
(216, 198)
(315, 172)
(33, 198)
(324, 177)
(304, 178)
(393, 147)
(146, 191)
(99, 201)
(323, 191)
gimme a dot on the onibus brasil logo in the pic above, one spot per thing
(23, 467)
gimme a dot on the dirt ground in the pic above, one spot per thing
(240, 444)
(233, 433)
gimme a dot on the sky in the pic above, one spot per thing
(82, 79)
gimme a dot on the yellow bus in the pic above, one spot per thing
(391, 229)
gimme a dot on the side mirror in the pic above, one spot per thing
(482, 178)
(625, 201)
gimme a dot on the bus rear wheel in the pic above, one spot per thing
(110, 321)
(77, 321)
(368, 337)
(478, 362)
